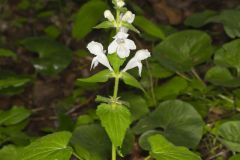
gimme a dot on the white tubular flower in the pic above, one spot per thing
(120, 3)
(121, 45)
(97, 49)
(136, 61)
(128, 17)
(108, 14)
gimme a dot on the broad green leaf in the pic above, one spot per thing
(105, 24)
(149, 27)
(130, 26)
(222, 76)
(50, 147)
(9, 152)
(91, 142)
(228, 56)
(84, 119)
(162, 149)
(143, 139)
(230, 26)
(178, 120)
(228, 134)
(131, 81)
(53, 56)
(7, 53)
(87, 17)
(171, 88)
(14, 115)
(235, 157)
(138, 105)
(183, 50)
(101, 76)
(11, 83)
(199, 19)
(115, 119)
(158, 71)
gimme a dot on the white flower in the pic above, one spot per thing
(120, 3)
(97, 49)
(108, 14)
(121, 45)
(128, 17)
(136, 60)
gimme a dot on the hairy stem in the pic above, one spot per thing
(114, 156)
(115, 92)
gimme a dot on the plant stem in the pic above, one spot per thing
(197, 76)
(115, 93)
(114, 152)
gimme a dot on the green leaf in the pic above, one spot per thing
(87, 17)
(171, 88)
(50, 147)
(115, 119)
(143, 139)
(178, 120)
(131, 81)
(149, 27)
(52, 31)
(14, 115)
(53, 56)
(9, 152)
(130, 26)
(222, 76)
(199, 19)
(7, 53)
(105, 24)
(182, 51)
(91, 142)
(116, 61)
(101, 76)
(158, 71)
(138, 105)
(235, 157)
(228, 134)
(230, 26)
(162, 149)
(228, 56)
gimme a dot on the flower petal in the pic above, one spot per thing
(130, 44)
(94, 63)
(123, 51)
(121, 35)
(128, 17)
(112, 48)
(131, 64)
(142, 54)
(104, 61)
(95, 48)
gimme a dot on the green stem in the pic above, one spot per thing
(114, 153)
(115, 93)
(197, 76)
(77, 156)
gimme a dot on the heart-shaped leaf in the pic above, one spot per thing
(87, 17)
(50, 147)
(115, 119)
(222, 76)
(53, 56)
(228, 134)
(181, 51)
(91, 142)
(228, 56)
(162, 149)
(179, 122)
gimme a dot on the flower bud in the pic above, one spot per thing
(120, 3)
(108, 15)
(128, 17)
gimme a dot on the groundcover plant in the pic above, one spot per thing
(151, 91)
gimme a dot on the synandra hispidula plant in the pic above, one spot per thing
(114, 116)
